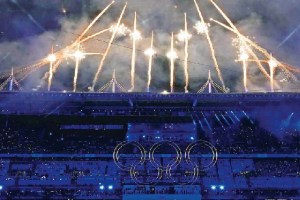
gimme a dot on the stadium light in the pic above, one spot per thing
(213, 187)
(1, 187)
(101, 187)
(110, 187)
(221, 187)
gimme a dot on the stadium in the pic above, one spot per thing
(69, 131)
(66, 148)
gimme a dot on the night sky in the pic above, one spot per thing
(29, 29)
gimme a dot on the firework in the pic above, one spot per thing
(135, 36)
(107, 49)
(243, 57)
(172, 55)
(235, 30)
(150, 53)
(213, 54)
(209, 83)
(94, 21)
(51, 59)
(185, 36)
(94, 35)
(122, 30)
(114, 82)
(260, 49)
(272, 64)
(78, 55)
(202, 27)
(245, 39)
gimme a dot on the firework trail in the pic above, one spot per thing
(150, 53)
(272, 64)
(242, 37)
(107, 49)
(135, 36)
(94, 35)
(93, 22)
(172, 65)
(213, 54)
(76, 74)
(79, 55)
(245, 74)
(28, 70)
(186, 72)
(260, 49)
(172, 56)
(244, 57)
(56, 65)
(51, 59)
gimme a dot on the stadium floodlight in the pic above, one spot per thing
(222, 187)
(101, 187)
(110, 187)
(213, 187)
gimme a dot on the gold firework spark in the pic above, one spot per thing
(150, 53)
(213, 54)
(107, 49)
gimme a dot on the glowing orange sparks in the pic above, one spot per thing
(185, 36)
(150, 53)
(94, 21)
(107, 49)
(172, 55)
(213, 54)
(51, 59)
(135, 35)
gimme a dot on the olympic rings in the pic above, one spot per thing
(116, 156)
(189, 176)
(156, 146)
(152, 177)
(207, 144)
(144, 174)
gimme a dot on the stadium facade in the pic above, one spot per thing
(149, 146)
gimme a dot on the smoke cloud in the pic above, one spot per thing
(22, 41)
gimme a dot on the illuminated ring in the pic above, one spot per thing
(207, 144)
(134, 176)
(120, 146)
(170, 165)
(195, 174)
